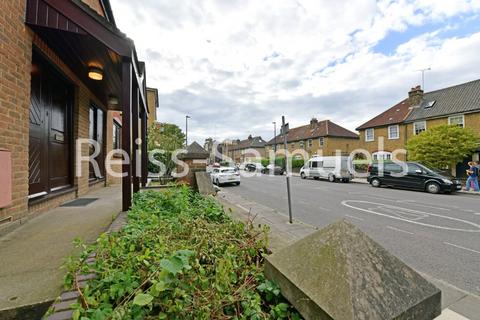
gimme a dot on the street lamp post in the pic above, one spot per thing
(186, 130)
(274, 136)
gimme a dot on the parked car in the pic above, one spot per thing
(225, 175)
(276, 170)
(254, 167)
(332, 168)
(414, 176)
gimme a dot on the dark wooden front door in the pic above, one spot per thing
(50, 129)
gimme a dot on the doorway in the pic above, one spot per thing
(50, 134)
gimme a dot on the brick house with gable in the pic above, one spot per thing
(65, 68)
(247, 150)
(318, 137)
(455, 105)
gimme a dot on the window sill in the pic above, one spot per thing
(51, 195)
(96, 181)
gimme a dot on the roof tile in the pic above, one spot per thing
(325, 128)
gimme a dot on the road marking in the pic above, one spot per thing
(347, 203)
(242, 207)
(460, 247)
(413, 202)
(353, 217)
(400, 230)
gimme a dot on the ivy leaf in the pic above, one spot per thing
(142, 299)
(76, 314)
(173, 265)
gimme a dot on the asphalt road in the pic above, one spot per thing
(438, 235)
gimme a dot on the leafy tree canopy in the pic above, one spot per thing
(442, 146)
(167, 138)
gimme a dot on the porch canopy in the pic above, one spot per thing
(84, 40)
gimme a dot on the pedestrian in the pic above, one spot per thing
(472, 180)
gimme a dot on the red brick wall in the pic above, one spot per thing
(15, 65)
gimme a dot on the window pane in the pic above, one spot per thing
(419, 127)
(369, 135)
(393, 132)
(457, 120)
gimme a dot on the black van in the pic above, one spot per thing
(410, 175)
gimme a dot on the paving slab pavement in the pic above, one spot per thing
(457, 304)
(32, 255)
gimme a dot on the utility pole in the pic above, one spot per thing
(423, 76)
(284, 132)
(186, 130)
(274, 136)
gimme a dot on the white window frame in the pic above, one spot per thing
(457, 116)
(398, 132)
(384, 155)
(310, 143)
(366, 135)
(414, 125)
(321, 141)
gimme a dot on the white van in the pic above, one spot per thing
(335, 168)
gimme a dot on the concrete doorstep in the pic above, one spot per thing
(33, 254)
(457, 304)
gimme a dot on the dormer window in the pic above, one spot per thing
(430, 104)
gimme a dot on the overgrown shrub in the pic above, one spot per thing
(296, 163)
(179, 257)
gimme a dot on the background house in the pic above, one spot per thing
(386, 132)
(457, 105)
(65, 68)
(152, 105)
(317, 137)
(248, 150)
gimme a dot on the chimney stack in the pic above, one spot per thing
(313, 122)
(415, 96)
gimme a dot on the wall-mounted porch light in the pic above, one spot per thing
(113, 100)
(95, 73)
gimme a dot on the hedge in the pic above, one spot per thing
(179, 257)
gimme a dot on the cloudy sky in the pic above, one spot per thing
(237, 65)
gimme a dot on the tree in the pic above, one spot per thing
(442, 146)
(167, 138)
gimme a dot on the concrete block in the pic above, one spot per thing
(340, 273)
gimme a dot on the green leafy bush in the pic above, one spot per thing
(179, 257)
(296, 163)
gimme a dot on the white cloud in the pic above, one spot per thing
(236, 66)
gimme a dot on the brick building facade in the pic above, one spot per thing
(316, 138)
(392, 129)
(47, 97)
